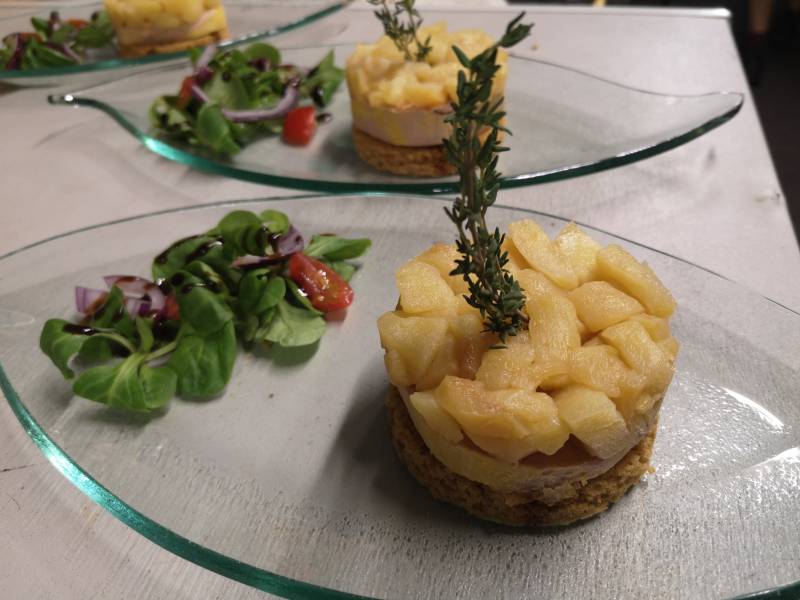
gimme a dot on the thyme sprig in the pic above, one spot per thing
(492, 289)
(403, 32)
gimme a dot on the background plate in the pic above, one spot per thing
(247, 21)
(288, 481)
(565, 123)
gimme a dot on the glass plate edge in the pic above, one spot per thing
(198, 554)
(208, 165)
(153, 59)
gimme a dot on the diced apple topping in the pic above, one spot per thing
(598, 367)
(509, 367)
(552, 328)
(596, 356)
(657, 328)
(617, 266)
(438, 420)
(670, 346)
(540, 252)
(443, 258)
(594, 419)
(472, 342)
(516, 262)
(641, 353)
(411, 344)
(478, 410)
(528, 418)
(445, 362)
(422, 289)
(534, 283)
(580, 250)
(599, 305)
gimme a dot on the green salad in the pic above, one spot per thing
(251, 279)
(55, 43)
(235, 96)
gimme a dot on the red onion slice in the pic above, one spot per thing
(88, 300)
(199, 94)
(286, 245)
(69, 52)
(137, 306)
(205, 58)
(290, 242)
(203, 75)
(15, 61)
(287, 102)
(139, 286)
(289, 99)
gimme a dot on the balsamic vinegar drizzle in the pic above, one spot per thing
(162, 258)
(204, 249)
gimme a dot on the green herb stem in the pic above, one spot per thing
(492, 289)
(401, 25)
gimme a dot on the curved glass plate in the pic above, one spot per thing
(248, 20)
(288, 481)
(565, 123)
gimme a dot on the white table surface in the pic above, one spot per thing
(715, 201)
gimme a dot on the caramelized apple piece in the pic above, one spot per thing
(540, 252)
(477, 410)
(657, 328)
(599, 305)
(443, 258)
(616, 265)
(641, 353)
(411, 343)
(422, 289)
(509, 367)
(631, 389)
(670, 346)
(534, 284)
(438, 420)
(552, 327)
(594, 420)
(516, 262)
(510, 423)
(580, 250)
(597, 367)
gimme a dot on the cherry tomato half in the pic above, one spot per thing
(78, 23)
(324, 287)
(299, 126)
(185, 95)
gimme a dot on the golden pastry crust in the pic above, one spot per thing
(591, 497)
(418, 161)
(135, 51)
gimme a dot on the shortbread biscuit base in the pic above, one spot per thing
(135, 51)
(591, 498)
(416, 161)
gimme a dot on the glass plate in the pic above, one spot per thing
(248, 20)
(565, 123)
(288, 481)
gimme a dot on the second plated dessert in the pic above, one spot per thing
(160, 26)
(401, 90)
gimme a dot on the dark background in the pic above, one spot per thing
(770, 54)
